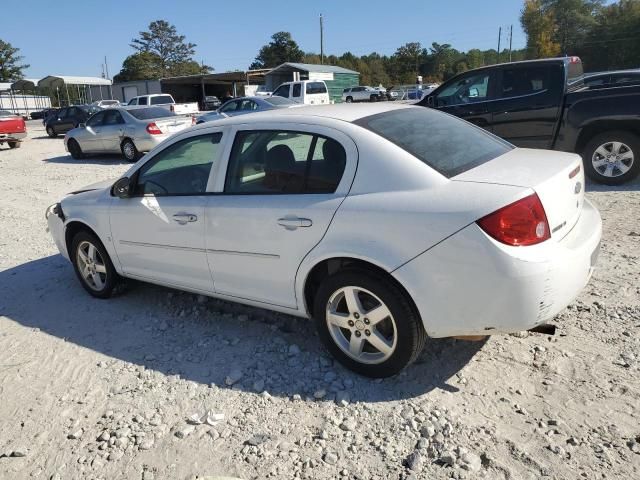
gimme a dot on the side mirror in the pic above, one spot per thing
(430, 101)
(82, 125)
(121, 188)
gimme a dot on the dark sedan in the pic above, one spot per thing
(68, 118)
(240, 106)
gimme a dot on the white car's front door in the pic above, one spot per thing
(281, 191)
(159, 232)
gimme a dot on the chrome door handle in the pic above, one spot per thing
(291, 223)
(184, 218)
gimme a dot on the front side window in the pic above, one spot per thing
(96, 119)
(447, 144)
(287, 162)
(180, 169)
(467, 89)
(282, 91)
(517, 82)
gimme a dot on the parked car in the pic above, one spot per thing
(126, 130)
(471, 236)
(617, 78)
(410, 92)
(361, 94)
(48, 112)
(106, 103)
(308, 92)
(68, 118)
(544, 104)
(211, 102)
(240, 106)
(166, 101)
(13, 129)
(263, 91)
(37, 115)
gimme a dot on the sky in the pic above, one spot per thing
(72, 37)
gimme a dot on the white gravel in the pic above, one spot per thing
(109, 389)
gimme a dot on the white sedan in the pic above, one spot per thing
(384, 223)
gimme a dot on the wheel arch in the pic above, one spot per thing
(328, 266)
(74, 227)
(602, 126)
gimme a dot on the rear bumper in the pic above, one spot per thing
(11, 137)
(148, 142)
(471, 284)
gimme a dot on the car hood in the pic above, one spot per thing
(94, 186)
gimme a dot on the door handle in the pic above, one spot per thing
(291, 223)
(184, 218)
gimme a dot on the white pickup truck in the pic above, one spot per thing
(167, 101)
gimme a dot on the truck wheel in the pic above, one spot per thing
(14, 144)
(51, 132)
(612, 158)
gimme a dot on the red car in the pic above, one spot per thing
(12, 129)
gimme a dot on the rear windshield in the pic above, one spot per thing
(161, 100)
(447, 144)
(279, 101)
(152, 112)
(316, 87)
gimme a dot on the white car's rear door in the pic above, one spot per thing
(283, 186)
(159, 233)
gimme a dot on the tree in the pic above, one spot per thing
(281, 49)
(538, 24)
(161, 52)
(10, 66)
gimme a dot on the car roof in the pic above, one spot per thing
(595, 74)
(347, 112)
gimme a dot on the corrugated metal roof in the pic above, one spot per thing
(53, 80)
(25, 83)
(312, 67)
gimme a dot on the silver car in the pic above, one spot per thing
(126, 130)
(240, 106)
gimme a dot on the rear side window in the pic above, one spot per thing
(142, 100)
(272, 162)
(447, 144)
(161, 100)
(316, 87)
(296, 90)
(524, 81)
(152, 112)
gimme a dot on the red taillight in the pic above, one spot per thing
(193, 120)
(153, 129)
(522, 223)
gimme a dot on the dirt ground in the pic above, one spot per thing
(118, 389)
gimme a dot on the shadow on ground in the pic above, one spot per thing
(203, 339)
(88, 159)
(632, 186)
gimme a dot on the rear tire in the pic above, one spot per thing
(14, 144)
(74, 149)
(612, 158)
(51, 132)
(349, 99)
(129, 150)
(397, 323)
(92, 265)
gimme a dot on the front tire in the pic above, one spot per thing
(92, 265)
(368, 323)
(612, 158)
(74, 149)
(129, 150)
(349, 100)
(14, 144)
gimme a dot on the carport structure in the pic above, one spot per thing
(191, 87)
(80, 89)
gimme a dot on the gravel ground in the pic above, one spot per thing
(156, 383)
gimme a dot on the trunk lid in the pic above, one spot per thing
(12, 124)
(557, 178)
(173, 124)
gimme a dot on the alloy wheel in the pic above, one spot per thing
(361, 325)
(612, 159)
(91, 266)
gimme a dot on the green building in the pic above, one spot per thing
(336, 78)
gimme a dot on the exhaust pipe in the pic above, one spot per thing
(545, 328)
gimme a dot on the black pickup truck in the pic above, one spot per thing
(545, 104)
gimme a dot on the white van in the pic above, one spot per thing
(309, 92)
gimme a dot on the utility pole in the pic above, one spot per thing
(499, 38)
(106, 67)
(321, 40)
(510, 42)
